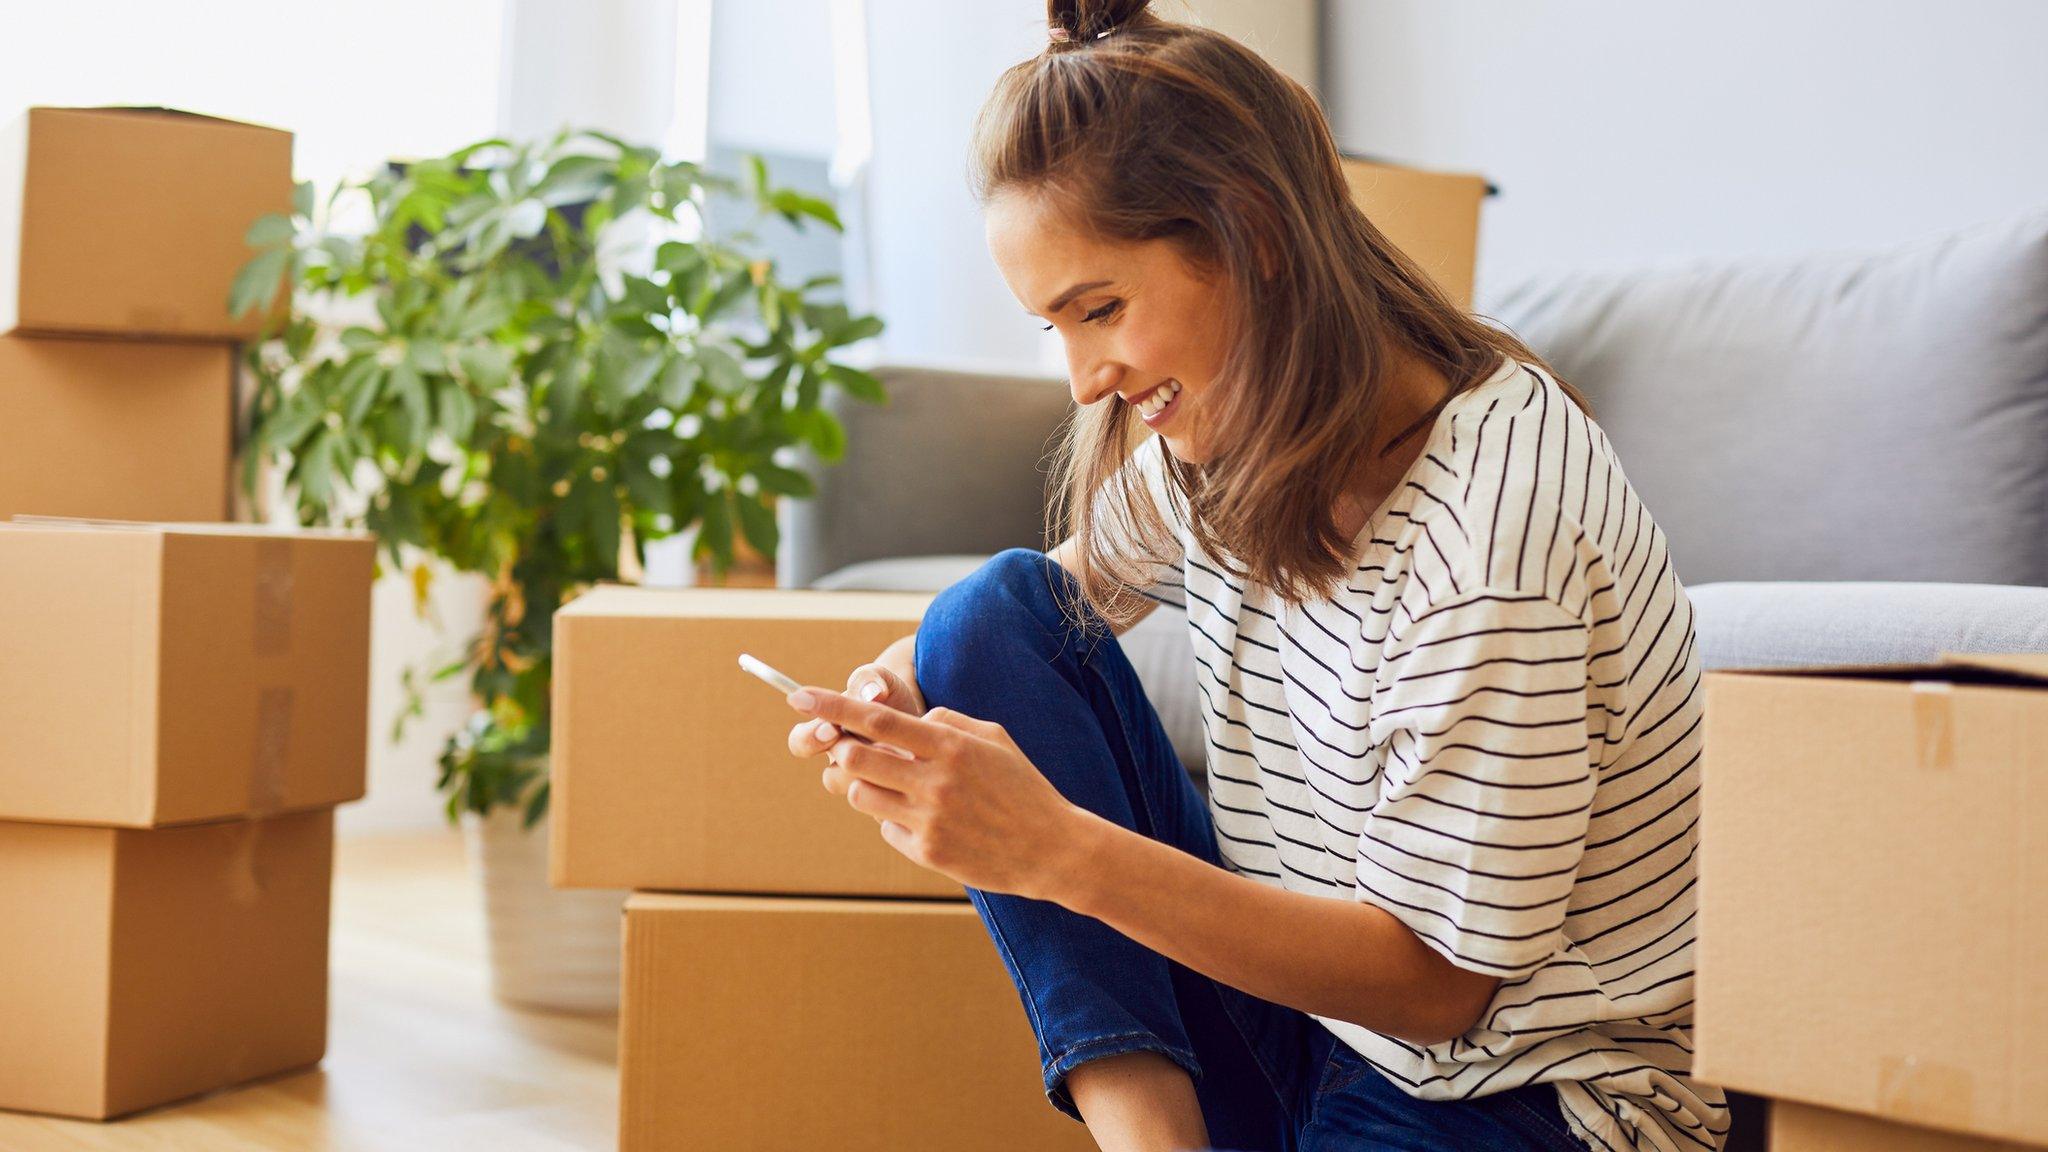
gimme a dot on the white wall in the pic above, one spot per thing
(1624, 133)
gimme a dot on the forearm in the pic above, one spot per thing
(1341, 959)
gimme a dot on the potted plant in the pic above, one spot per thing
(483, 375)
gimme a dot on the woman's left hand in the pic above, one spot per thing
(962, 799)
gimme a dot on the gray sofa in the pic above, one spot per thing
(1847, 452)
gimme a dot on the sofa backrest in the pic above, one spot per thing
(953, 463)
(1838, 417)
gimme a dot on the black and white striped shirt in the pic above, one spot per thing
(1493, 733)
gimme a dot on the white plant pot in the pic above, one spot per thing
(556, 949)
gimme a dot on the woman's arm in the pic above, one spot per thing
(1342, 959)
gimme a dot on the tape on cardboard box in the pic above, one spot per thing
(1934, 725)
(1926, 1092)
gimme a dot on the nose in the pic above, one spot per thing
(1090, 382)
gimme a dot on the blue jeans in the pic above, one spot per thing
(998, 646)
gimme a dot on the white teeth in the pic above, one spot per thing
(1159, 398)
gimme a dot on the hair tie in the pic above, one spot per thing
(1060, 35)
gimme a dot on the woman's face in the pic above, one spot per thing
(1141, 326)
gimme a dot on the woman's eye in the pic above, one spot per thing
(1102, 313)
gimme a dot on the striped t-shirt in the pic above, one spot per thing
(1492, 733)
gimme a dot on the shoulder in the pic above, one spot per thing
(1496, 512)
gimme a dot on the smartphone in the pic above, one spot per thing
(774, 679)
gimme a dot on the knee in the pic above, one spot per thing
(1013, 606)
(1014, 587)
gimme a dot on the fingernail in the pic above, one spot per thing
(871, 689)
(804, 699)
(825, 731)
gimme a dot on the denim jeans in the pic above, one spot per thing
(998, 646)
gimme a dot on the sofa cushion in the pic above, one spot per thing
(1157, 646)
(1834, 417)
(1809, 623)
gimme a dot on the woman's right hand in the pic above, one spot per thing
(891, 678)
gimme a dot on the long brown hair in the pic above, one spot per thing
(1145, 129)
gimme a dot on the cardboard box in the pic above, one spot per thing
(166, 674)
(111, 431)
(671, 767)
(131, 221)
(1873, 891)
(764, 1024)
(143, 966)
(1803, 1128)
(1432, 217)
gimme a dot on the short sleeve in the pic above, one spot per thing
(1146, 470)
(1475, 840)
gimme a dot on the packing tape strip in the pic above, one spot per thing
(245, 871)
(272, 637)
(1934, 740)
(272, 751)
(1925, 1092)
(273, 630)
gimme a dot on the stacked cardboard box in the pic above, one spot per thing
(1873, 946)
(125, 224)
(180, 710)
(790, 980)
(180, 707)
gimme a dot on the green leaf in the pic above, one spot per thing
(794, 205)
(650, 493)
(722, 369)
(270, 231)
(256, 285)
(856, 328)
(601, 521)
(858, 384)
(757, 523)
(782, 481)
(826, 435)
(302, 199)
(634, 378)
(715, 536)
(488, 366)
(458, 412)
(359, 385)
(412, 393)
(678, 383)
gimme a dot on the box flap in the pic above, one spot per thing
(179, 528)
(1961, 667)
(2031, 665)
(153, 110)
(722, 603)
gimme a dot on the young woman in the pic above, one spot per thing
(1440, 893)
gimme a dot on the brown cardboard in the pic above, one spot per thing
(1802, 1128)
(671, 766)
(143, 966)
(131, 221)
(1432, 217)
(165, 674)
(1873, 894)
(764, 1024)
(129, 431)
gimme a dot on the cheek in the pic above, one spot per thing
(1160, 351)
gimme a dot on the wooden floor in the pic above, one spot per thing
(419, 1057)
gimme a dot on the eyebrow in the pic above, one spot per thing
(1067, 297)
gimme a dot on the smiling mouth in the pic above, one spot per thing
(1154, 404)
